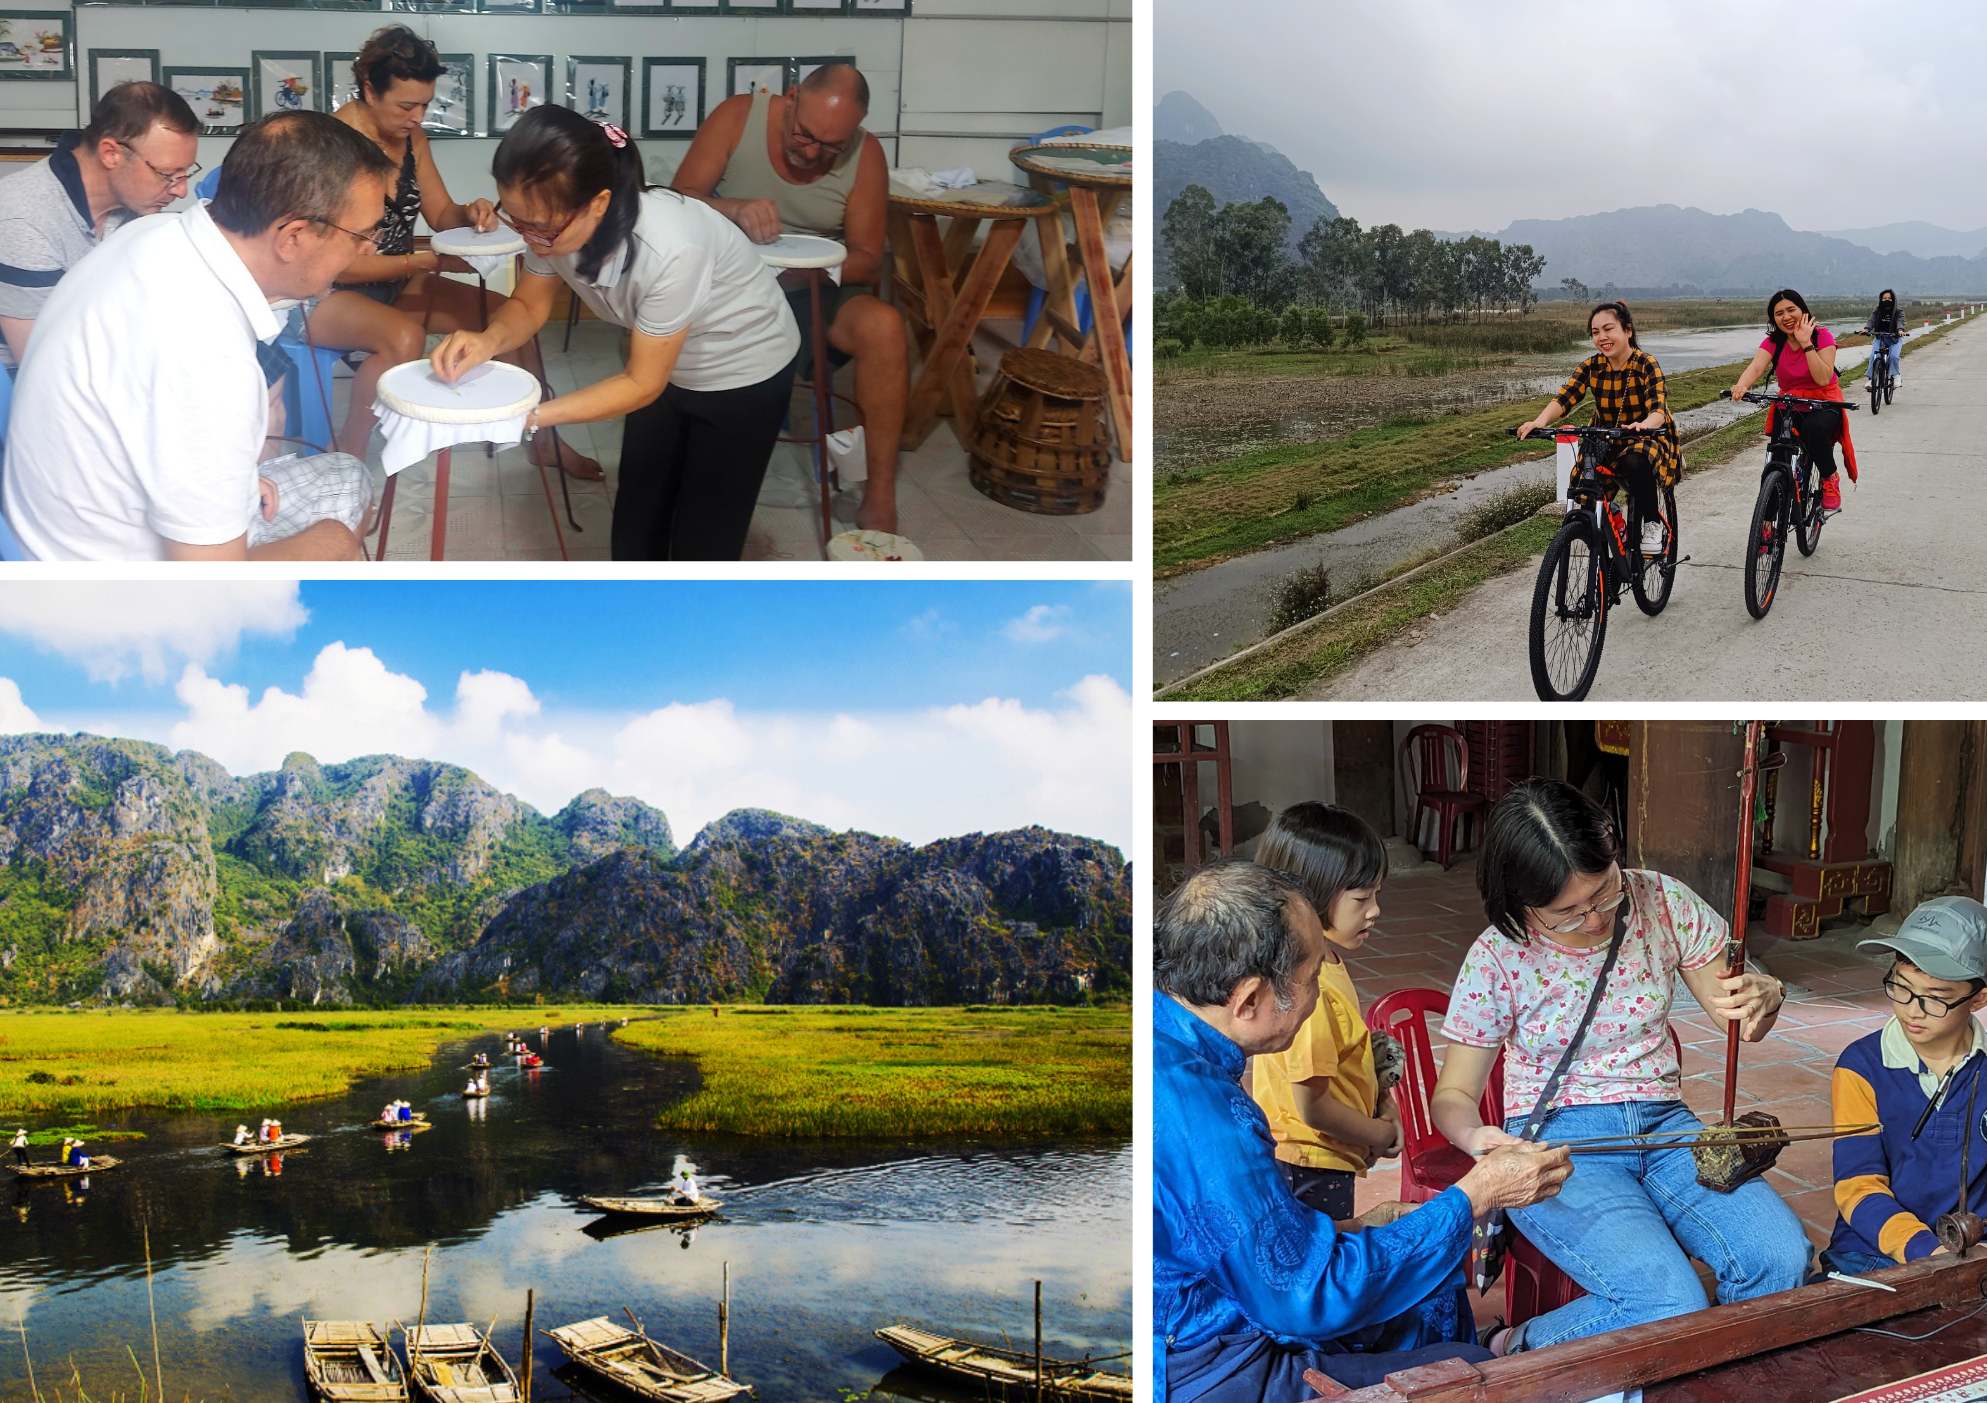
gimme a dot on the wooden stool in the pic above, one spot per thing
(1040, 442)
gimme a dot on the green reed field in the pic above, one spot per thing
(78, 1063)
(898, 1073)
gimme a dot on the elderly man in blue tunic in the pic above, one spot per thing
(1250, 1287)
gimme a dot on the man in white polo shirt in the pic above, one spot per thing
(141, 413)
(135, 157)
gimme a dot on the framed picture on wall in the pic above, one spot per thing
(508, 7)
(453, 111)
(109, 67)
(285, 82)
(802, 67)
(818, 7)
(672, 96)
(518, 83)
(635, 7)
(894, 9)
(340, 87)
(37, 44)
(218, 96)
(749, 75)
(597, 87)
(436, 7)
(753, 7)
(693, 6)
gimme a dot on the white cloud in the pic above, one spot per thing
(926, 626)
(917, 774)
(15, 715)
(115, 629)
(1043, 623)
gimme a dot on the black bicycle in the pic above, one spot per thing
(1878, 381)
(1597, 551)
(1789, 495)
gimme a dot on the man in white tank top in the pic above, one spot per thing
(800, 162)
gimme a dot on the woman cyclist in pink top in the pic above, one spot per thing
(1802, 354)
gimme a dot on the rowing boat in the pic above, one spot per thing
(1010, 1369)
(457, 1364)
(652, 1207)
(263, 1147)
(349, 1361)
(66, 1171)
(420, 1122)
(474, 1095)
(639, 1365)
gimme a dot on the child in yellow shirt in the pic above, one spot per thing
(1323, 1100)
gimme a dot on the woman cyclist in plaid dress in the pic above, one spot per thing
(1629, 393)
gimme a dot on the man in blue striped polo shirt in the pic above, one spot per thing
(1918, 1078)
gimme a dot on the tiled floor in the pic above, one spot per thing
(497, 509)
(1429, 917)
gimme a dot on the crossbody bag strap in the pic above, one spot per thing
(1536, 1120)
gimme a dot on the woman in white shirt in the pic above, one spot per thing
(712, 347)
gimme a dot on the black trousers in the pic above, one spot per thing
(21, 1153)
(1820, 431)
(1327, 1190)
(692, 464)
(1638, 473)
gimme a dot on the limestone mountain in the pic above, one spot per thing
(129, 873)
(1190, 148)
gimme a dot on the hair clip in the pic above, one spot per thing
(615, 135)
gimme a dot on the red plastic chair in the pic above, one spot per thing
(1430, 1164)
(1435, 773)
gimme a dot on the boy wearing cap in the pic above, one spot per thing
(1918, 1078)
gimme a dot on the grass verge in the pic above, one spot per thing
(898, 1073)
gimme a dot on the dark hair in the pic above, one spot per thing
(1889, 292)
(829, 74)
(1973, 986)
(395, 54)
(292, 165)
(1229, 920)
(1539, 835)
(1328, 850)
(129, 110)
(1620, 310)
(571, 159)
(1785, 294)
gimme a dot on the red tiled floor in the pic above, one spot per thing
(1430, 918)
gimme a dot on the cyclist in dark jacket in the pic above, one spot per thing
(1886, 328)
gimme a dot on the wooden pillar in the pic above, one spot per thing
(1941, 812)
(1363, 772)
(1683, 804)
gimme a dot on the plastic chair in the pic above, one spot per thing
(1435, 770)
(1430, 1164)
(10, 544)
(307, 416)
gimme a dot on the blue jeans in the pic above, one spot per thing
(1626, 1226)
(1895, 345)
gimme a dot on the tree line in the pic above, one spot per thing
(1385, 274)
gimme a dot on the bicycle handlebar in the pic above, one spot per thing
(1755, 397)
(1587, 431)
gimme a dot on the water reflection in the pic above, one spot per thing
(825, 1240)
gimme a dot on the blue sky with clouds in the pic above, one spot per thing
(919, 709)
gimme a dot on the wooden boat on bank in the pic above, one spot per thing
(664, 1208)
(632, 1361)
(419, 1122)
(475, 1095)
(263, 1147)
(350, 1361)
(1010, 1370)
(457, 1364)
(97, 1164)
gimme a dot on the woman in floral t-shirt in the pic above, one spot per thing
(1625, 1226)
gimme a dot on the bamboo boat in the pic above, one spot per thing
(637, 1364)
(263, 1147)
(1007, 1369)
(97, 1164)
(350, 1361)
(652, 1207)
(474, 1095)
(420, 1122)
(457, 1364)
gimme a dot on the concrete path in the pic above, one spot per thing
(1893, 606)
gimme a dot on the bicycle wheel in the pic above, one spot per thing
(1876, 391)
(1806, 508)
(1766, 547)
(1890, 387)
(1653, 578)
(1569, 613)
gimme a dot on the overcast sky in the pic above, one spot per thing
(1459, 114)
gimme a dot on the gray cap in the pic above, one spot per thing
(1946, 937)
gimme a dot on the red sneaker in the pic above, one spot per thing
(1831, 494)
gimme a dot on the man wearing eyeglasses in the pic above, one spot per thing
(1918, 1080)
(138, 422)
(801, 163)
(134, 158)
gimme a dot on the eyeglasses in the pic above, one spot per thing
(1599, 908)
(801, 136)
(534, 233)
(1902, 994)
(367, 239)
(167, 178)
